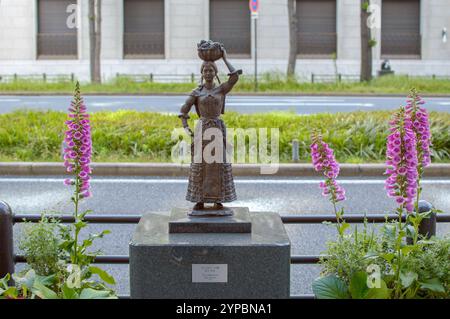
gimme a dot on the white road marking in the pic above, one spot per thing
(105, 104)
(443, 103)
(237, 181)
(282, 100)
(9, 100)
(275, 103)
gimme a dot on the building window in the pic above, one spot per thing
(316, 26)
(55, 39)
(229, 23)
(143, 35)
(400, 29)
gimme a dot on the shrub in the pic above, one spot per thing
(145, 137)
(40, 245)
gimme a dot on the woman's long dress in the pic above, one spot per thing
(209, 182)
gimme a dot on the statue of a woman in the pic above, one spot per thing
(210, 179)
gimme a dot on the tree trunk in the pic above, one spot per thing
(95, 39)
(293, 36)
(98, 43)
(366, 44)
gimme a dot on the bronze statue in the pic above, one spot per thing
(209, 182)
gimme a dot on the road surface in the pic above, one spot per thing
(242, 104)
(138, 195)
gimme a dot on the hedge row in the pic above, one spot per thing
(143, 136)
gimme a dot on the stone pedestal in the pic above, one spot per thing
(210, 265)
(238, 222)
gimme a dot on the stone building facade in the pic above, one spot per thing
(160, 36)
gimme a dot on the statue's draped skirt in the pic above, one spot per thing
(210, 182)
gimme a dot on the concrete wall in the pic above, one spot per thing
(17, 30)
(435, 16)
(187, 22)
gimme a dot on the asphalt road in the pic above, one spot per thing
(243, 104)
(158, 195)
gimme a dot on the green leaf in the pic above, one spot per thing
(359, 288)
(379, 293)
(87, 243)
(46, 280)
(343, 227)
(426, 215)
(365, 5)
(371, 254)
(426, 242)
(390, 232)
(388, 257)
(330, 287)
(11, 292)
(80, 225)
(26, 280)
(410, 231)
(89, 293)
(43, 292)
(407, 278)
(358, 285)
(4, 281)
(69, 293)
(103, 275)
(433, 284)
(83, 214)
(407, 249)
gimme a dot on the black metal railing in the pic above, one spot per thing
(337, 78)
(44, 77)
(161, 78)
(7, 219)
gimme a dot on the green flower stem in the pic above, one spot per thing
(338, 219)
(75, 246)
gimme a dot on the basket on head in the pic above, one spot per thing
(209, 50)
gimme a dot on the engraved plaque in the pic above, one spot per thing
(209, 273)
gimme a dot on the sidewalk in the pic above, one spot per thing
(171, 169)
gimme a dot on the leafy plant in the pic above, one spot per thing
(351, 254)
(41, 246)
(388, 265)
(60, 266)
(420, 270)
(29, 285)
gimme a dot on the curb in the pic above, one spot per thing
(171, 169)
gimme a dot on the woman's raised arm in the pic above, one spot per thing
(233, 75)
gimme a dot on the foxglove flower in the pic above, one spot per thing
(421, 127)
(402, 162)
(323, 161)
(78, 146)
